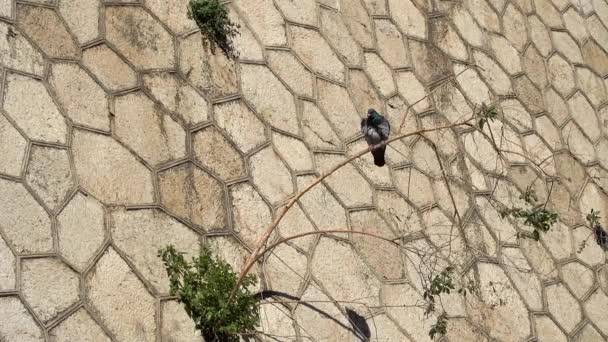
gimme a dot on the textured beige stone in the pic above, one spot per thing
(273, 101)
(539, 34)
(497, 79)
(336, 31)
(12, 148)
(482, 151)
(291, 70)
(588, 334)
(598, 31)
(575, 24)
(139, 37)
(318, 132)
(380, 74)
(560, 74)
(250, 213)
(120, 299)
(109, 68)
(80, 230)
(546, 330)
(17, 323)
(78, 326)
(213, 151)
(595, 57)
(303, 12)
(442, 233)
(342, 181)
(467, 27)
(408, 18)
(82, 17)
(578, 277)
(38, 117)
(49, 286)
(293, 151)
(592, 85)
(556, 106)
(193, 195)
(16, 52)
(402, 217)
(153, 135)
(277, 321)
(270, 175)
(177, 96)
(141, 233)
(173, 14)
(324, 210)
(375, 175)
(534, 66)
(241, 124)
(316, 53)
(548, 14)
(410, 316)
(563, 306)
(412, 90)
(295, 222)
(84, 101)
(176, 325)
(364, 94)
(212, 73)
(388, 264)
(246, 45)
(484, 14)
(47, 30)
(323, 321)
(515, 27)
(25, 224)
(285, 269)
(415, 186)
(472, 85)
(8, 264)
(564, 43)
(391, 44)
(265, 21)
(595, 308)
(112, 174)
(578, 143)
(505, 54)
(447, 39)
(49, 174)
(358, 22)
(342, 113)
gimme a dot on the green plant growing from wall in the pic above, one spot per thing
(212, 18)
(204, 287)
(536, 215)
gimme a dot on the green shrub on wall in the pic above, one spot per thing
(212, 18)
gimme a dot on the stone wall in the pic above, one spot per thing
(120, 132)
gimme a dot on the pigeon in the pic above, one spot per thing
(376, 129)
(601, 237)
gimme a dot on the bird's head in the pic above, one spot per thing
(370, 112)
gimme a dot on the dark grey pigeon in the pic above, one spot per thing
(376, 129)
(601, 237)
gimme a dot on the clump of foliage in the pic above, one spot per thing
(204, 287)
(212, 18)
(440, 327)
(593, 218)
(536, 216)
(486, 113)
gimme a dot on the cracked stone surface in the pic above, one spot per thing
(122, 131)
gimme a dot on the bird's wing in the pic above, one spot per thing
(384, 128)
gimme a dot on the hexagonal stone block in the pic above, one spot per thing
(17, 323)
(414, 185)
(82, 18)
(286, 269)
(109, 171)
(472, 85)
(313, 320)
(292, 71)
(293, 151)
(560, 74)
(497, 79)
(17, 53)
(563, 306)
(506, 54)
(304, 12)
(408, 17)
(245, 43)
(567, 46)
(592, 85)
(358, 22)
(595, 57)
(595, 309)
(173, 14)
(399, 213)
(270, 175)
(336, 101)
(388, 264)
(588, 334)
(84, 101)
(175, 323)
(578, 277)
(324, 210)
(111, 285)
(241, 125)
(109, 68)
(598, 31)
(343, 179)
(193, 195)
(579, 144)
(153, 135)
(49, 174)
(540, 35)
(380, 74)
(467, 27)
(316, 53)
(403, 309)
(139, 37)
(364, 94)
(279, 322)
(49, 286)
(78, 326)
(78, 245)
(575, 24)
(273, 101)
(250, 213)
(534, 66)
(8, 264)
(482, 151)
(47, 30)
(265, 21)
(514, 23)
(448, 40)
(547, 330)
(213, 74)
(296, 222)
(318, 131)
(556, 106)
(391, 44)
(141, 233)
(548, 13)
(364, 285)
(442, 234)
(377, 176)
(529, 94)
(214, 152)
(25, 224)
(177, 96)
(484, 14)
(412, 90)
(12, 149)
(501, 227)
(38, 117)
(334, 28)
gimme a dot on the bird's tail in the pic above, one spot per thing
(378, 154)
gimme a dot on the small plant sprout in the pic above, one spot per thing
(593, 218)
(204, 286)
(440, 327)
(212, 18)
(486, 113)
(536, 215)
